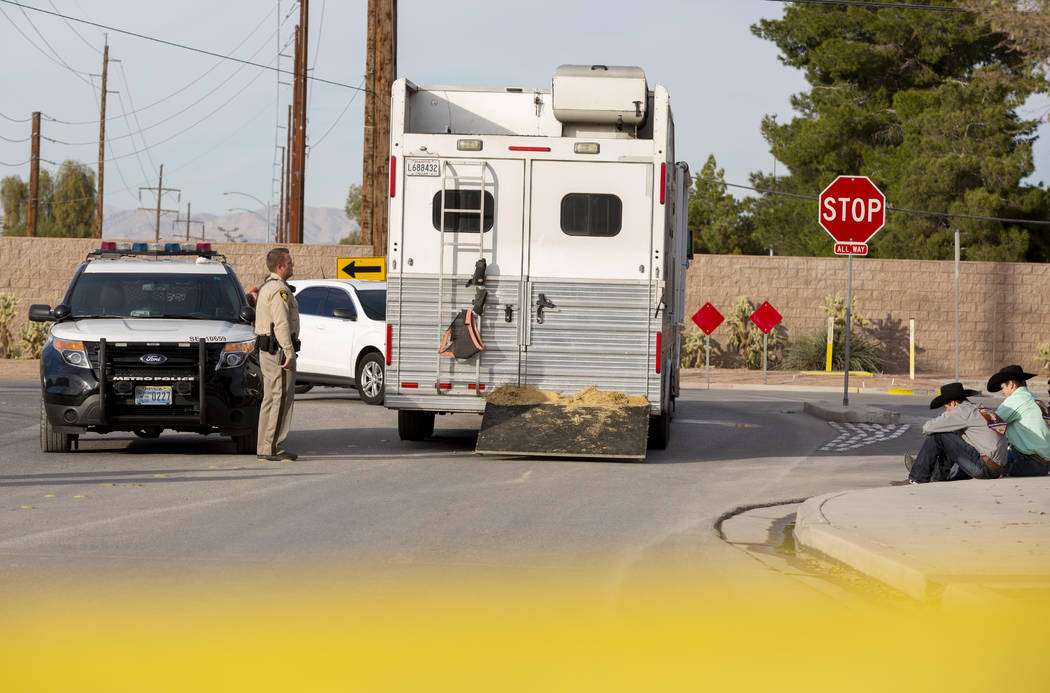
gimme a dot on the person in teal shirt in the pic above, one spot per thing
(1027, 432)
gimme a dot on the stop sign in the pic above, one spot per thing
(852, 209)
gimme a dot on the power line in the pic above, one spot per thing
(142, 138)
(54, 59)
(175, 93)
(176, 45)
(889, 208)
(15, 120)
(8, 139)
(214, 89)
(4, 163)
(340, 117)
(879, 5)
(74, 30)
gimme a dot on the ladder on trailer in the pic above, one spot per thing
(481, 182)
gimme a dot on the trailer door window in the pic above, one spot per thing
(458, 217)
(591, 214)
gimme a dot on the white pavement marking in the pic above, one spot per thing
(854, 435)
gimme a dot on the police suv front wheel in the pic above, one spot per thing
(51, 440)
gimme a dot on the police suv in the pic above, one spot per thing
(149, 337)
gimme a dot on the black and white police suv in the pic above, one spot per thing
(149, 337)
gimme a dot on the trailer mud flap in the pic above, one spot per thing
(559, 430)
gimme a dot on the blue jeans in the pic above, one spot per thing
(947, 457)
(1020, 464)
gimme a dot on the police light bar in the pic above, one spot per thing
(108, 245)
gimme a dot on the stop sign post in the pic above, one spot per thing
(852, 210)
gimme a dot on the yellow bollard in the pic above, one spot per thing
(831, 337)
(911, 348)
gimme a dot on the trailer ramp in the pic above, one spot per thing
(591, 423)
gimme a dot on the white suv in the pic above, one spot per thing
(342, 327)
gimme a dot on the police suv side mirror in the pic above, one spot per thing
(40, 312)
(344, 314)
(247, 315)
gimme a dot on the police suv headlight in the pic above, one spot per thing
(234, 354)
(72, 353)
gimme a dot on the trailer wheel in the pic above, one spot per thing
(415, 425)
(51, 440)
(659, 431)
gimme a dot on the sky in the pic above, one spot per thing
(213, 124)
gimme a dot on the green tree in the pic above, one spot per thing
(66, 204)
(717, 220)
(1025, 22)
(353, 213)
(926, 105)
(14, 193)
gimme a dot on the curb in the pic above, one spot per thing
(855, 414)
(814, 533)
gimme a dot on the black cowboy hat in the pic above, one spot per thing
(995, 383)
(952, 392)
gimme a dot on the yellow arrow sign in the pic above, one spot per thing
(361, 268)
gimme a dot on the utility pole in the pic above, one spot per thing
(160, 196)
(289, 213)
(189, 220)
(298, 178)
(34, 177)
(381, 70)
(278, 230)
(101, 143)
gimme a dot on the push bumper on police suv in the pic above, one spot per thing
(112, 386)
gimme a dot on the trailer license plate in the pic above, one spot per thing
(423, 167)
(153, 394)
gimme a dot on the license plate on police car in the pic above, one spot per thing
(153, 394)
(423, 167)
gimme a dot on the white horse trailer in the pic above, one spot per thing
(573, 198)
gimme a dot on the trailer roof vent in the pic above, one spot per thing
(600, 94)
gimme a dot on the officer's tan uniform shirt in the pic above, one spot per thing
(277, 305)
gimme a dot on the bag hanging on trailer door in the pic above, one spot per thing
(463, 336)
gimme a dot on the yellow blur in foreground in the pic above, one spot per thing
(440, 633)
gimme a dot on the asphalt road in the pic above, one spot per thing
(360, 497)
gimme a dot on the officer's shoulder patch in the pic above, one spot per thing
(283, 293)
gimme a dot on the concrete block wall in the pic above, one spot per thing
(38, 270)
(1002, 316)
(1002, 312)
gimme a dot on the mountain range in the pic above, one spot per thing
(324, 225)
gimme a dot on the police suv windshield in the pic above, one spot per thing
(141, 295)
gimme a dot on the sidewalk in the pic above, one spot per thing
(744, 379)
(957, 543)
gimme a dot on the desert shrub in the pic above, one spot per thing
(693, 344)
(808, 352)
(835, 307)
(745, 339)
(8, 304)
(32, 336)
(1044, 355)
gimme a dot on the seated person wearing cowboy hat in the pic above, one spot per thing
(1027, 432)
(958, 444)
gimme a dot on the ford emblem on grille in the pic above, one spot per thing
(153, 359)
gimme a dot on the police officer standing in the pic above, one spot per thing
(276, 330)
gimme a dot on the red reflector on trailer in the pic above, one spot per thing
(663, 181)
(529, 149)
(393, 174)
(659, 343)
(409, 385)
(108, 245)
(443, 386)
(472, 386)
(389, 341)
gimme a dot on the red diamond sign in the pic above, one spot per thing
(766, 317)
(708, 318)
